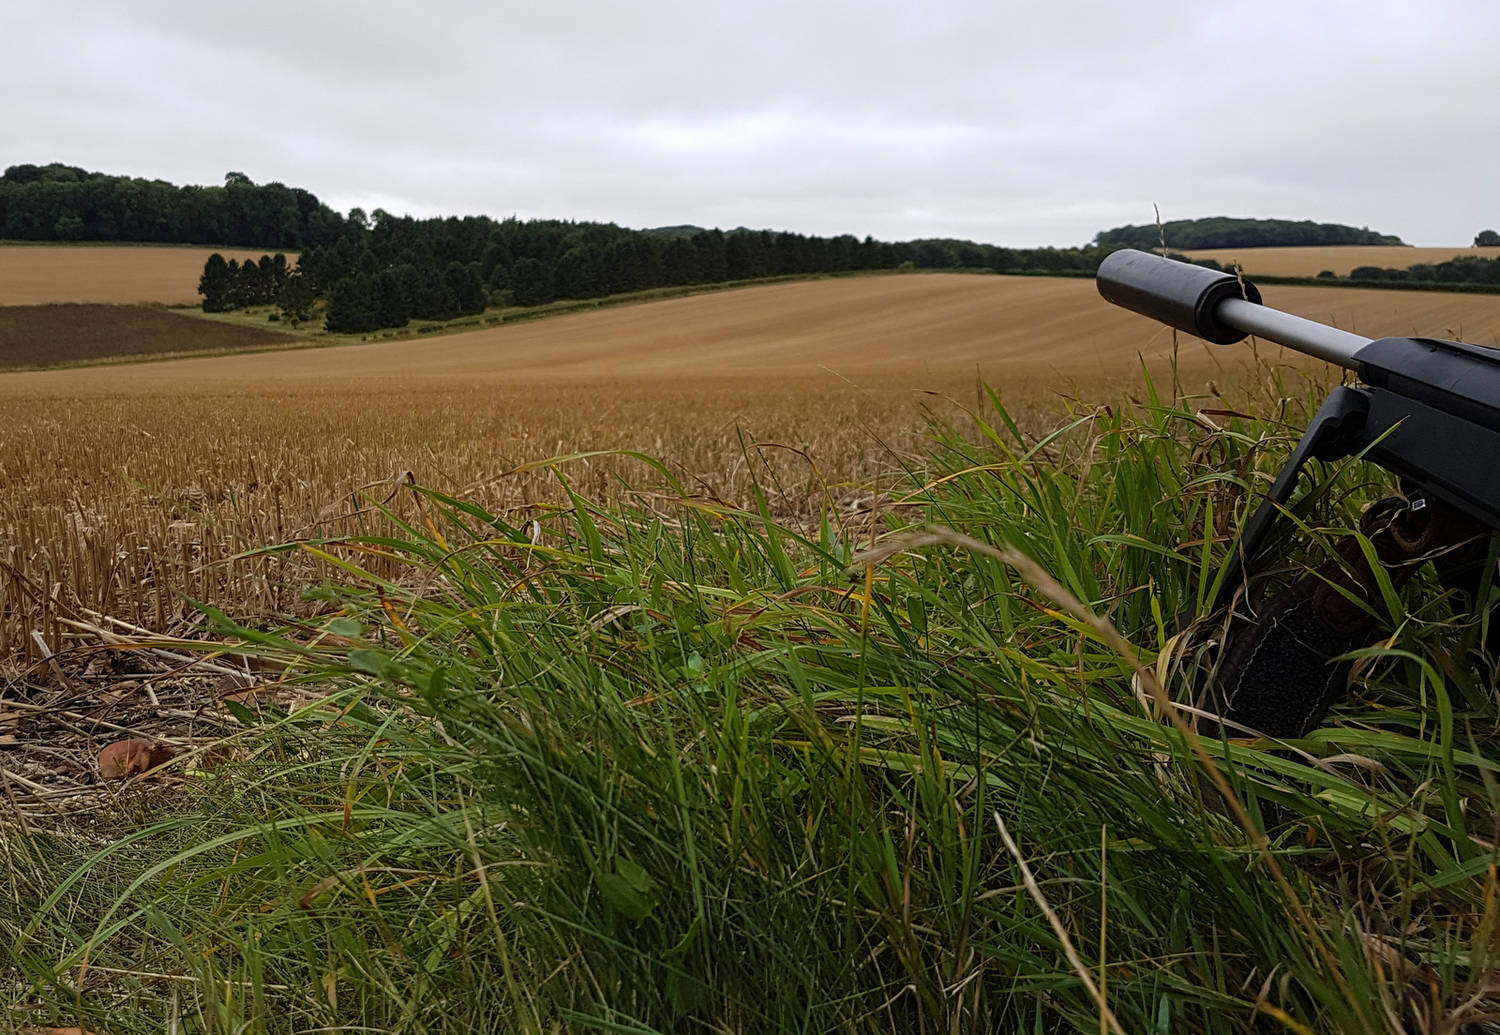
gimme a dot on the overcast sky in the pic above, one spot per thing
(1017, 123)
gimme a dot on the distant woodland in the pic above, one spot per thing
(64, 203)
(1464, 272)
(1227, 232)
(389, 270)
(377, 270)
(1465, 269)
(363, 272)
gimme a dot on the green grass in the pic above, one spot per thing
(667, 765)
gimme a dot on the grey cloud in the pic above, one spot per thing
(1017, 123)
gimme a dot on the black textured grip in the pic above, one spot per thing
(1279, 672)
(1278, 676)
(1177, 294)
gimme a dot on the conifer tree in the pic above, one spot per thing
(216, 285)
(296, 299)
(531, 280)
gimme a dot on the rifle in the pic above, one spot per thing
(1427, 410)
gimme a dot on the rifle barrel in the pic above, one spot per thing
(1309, 336)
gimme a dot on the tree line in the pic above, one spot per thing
(1461, 273)
(65, 203)
(1464, 269)
(385, 270)
(1229, 232)
(226, 286)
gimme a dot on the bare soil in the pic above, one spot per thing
(44, 335)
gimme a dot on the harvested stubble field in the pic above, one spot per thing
(134, 275)
(49, 335)
(1340, 259)
(127, 486)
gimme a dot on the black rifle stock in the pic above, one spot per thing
(1427, 410)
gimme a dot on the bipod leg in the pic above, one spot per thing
(1332, 435)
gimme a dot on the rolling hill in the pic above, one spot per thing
(1017, 331)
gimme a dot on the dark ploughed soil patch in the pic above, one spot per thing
(44, 335)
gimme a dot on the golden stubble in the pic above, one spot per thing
(38, 274)
(127, 490)
(1338, 259)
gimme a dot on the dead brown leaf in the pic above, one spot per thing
(125, 758)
